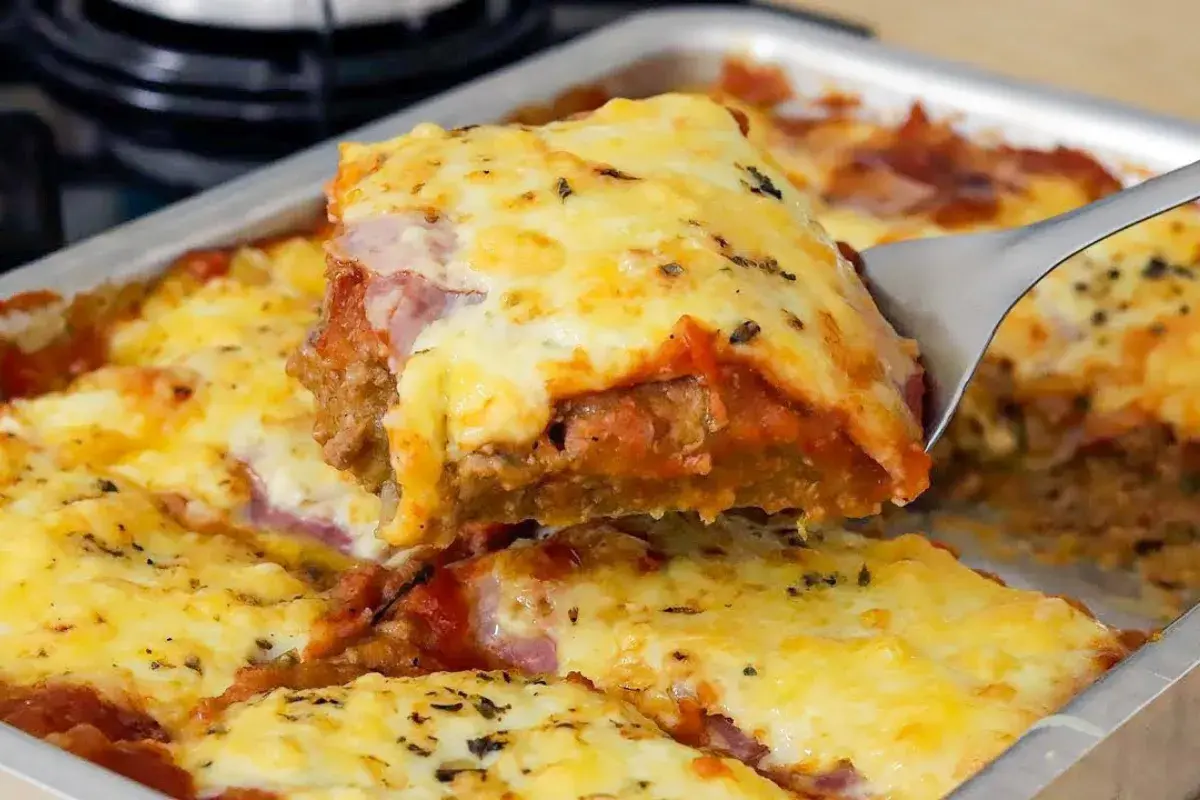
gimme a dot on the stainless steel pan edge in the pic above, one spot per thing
(1130, 736)
(1126, 737)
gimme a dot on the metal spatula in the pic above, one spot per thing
(950, 293)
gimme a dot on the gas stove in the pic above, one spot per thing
(110, 109)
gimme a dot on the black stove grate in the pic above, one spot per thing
(257, 96)
(30, 214)
(171, 95)
(147, 111)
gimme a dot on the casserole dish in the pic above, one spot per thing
(1134, 722)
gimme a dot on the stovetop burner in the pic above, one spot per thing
(265, 15)
(148, 108)
(251, 96)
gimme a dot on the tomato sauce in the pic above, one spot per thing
(78, 720)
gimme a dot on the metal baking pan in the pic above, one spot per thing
(1130, 735)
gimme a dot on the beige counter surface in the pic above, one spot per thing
(1141, 52)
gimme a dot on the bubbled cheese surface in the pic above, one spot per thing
(457, 735)
(890, 655)
(99, 586)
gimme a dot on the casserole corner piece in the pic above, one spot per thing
(630, 311)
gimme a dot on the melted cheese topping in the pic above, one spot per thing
(1116, 324)
(564, 232)
(98, 586)
(198, 404)
(475, 735)
(890, 655)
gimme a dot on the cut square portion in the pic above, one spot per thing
(454, 735)
(631, 311)
(841, 666)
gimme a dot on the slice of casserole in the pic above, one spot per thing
(631, 311)
(1082, 423)
(453, 735)
(103, 592)
(194, 403)
(840, 666)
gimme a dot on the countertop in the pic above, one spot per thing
(1142, 53)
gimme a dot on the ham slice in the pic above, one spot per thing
(870, 185)
(843, 783)
(414, 276)
(723, 735)
(404, 242)
(531, 654)
(263, 513)
(401, 306)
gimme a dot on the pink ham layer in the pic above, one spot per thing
(262, 513)
(399, 302)
(538, 655)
